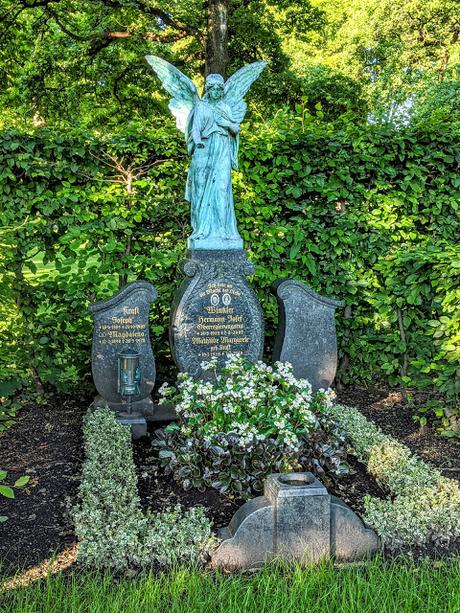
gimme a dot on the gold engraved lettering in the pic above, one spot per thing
(219, 328)
(123, 330)
(131, 310)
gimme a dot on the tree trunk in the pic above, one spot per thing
(216, 43)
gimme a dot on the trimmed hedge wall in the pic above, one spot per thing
(369, 215)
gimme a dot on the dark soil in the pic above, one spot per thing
(394, 416)
(46, 444)
(159, 491)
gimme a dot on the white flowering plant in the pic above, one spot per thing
(246, 421)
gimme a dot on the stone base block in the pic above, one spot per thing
(248, 540)
(137, 424)
(297, 520)
(350, 539)
(144, 407)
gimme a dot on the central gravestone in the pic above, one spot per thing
(215, 311)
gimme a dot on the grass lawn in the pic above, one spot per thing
(374, 587)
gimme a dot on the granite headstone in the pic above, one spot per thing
(121, 324)
(306, 335)
(215, 311)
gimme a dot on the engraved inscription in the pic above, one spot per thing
(121, 329)
(218, 328)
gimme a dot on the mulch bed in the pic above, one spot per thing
(389, 411)
(46, 443)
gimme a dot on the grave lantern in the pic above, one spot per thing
(129, 373)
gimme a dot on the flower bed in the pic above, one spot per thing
(246, 422)
(113, 532)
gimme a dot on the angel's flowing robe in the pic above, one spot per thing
(209, 181)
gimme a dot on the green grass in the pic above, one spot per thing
(374, 587)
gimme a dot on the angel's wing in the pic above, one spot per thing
(238, 84)
(181, 88)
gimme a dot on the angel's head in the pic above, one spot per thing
(214, 87)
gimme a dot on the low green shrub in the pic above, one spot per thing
(109, 523)
(244, 423)
(444, 417)
(178, 536)
(424, 505)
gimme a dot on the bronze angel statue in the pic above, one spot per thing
(211, 125)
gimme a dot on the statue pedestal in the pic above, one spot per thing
(215, 311)
(214, 244)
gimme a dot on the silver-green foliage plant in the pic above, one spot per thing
(425, 505)
(244, 422)
(109, 523)
(176, 536)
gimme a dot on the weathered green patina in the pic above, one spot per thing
(211, 126)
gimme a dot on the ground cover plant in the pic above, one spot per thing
(244, 422)
(109, 523)
(386, 587)
(423, 505)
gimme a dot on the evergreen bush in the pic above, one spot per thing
(111, 529)
(424, 506)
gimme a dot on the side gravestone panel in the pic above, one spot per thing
(215, 311)
(306, 335)
(121, 330)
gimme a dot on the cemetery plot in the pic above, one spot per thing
(48, 441)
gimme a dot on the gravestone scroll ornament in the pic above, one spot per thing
(211, 125)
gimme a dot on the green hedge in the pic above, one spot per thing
(369, 215)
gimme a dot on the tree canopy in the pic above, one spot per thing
(81, 62)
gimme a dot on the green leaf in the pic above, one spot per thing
(294, 250)
(22, 481)
(6, 491)
(310, 264)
